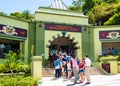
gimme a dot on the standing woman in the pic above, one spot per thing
(81, 70)
(69, 69)
(87, 69)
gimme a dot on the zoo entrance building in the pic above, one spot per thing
(56, 28)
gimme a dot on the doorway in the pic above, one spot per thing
(7, 44)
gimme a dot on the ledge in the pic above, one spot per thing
(37, 58)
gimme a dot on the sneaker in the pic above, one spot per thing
(75, 83)
(81, 81)
(87, 83)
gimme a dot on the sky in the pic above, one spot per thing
(9, 6)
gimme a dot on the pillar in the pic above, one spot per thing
(37, 67)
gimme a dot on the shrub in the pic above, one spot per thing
(14, 63)
(118, 57)
(23, 68)
(2, 68)
(105, 59)
(18, 81)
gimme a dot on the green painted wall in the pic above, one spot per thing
(91, 43)
(39, 45)
(76, 35)
(31, 41)
(85, 41)
(39, 41)
(13, 22)
(60, 16)
(97, 41)
(7, 20)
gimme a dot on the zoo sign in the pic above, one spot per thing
(113, 34)
(62, 27)
(12, 31)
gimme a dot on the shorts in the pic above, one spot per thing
(81, 70)
(69, 70)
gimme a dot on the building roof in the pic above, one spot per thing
(58, 4)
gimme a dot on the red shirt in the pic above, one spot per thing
(81, 64)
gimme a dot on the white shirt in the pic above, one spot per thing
(87, 62)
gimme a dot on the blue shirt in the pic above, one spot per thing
(57, 64)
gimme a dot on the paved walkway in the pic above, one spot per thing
(96, 80)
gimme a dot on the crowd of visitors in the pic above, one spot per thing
(69, 66)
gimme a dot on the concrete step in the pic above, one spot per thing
(96, 71)
(49, 72)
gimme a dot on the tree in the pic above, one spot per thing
(98, 11)
(27, 15)
(77, 5)
(103, 12)
(16, 15)
(76, 8)
(111, 1)
(2, 13)
(115, 19)
(87, 6)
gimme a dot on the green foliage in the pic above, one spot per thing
(91, 17)
(105, 59)
(77, 5)
(78, 2)
(15, 63)
(118, 57)
(111, 1)
(23, 68)
(103, 10)
(26, 15)
(100, 12)
(76, 8)
(2, 68)
(87, 6)
(115, 19)
(18, 81)
(2, 13)
(17, 15)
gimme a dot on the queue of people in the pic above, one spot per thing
(70, 66)
(109, 51)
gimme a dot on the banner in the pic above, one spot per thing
(13, 31)
(111, 34)
(62, 27)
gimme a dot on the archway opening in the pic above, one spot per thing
(61, 45)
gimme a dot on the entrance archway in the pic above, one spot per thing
(66, 44)
(63, 43)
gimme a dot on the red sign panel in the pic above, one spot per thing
(62, 27)
(111, 34)
(13, 31)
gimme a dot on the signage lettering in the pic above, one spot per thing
(60, 27)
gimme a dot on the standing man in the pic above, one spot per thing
(75, 69)
(87, 69)
(57, 67)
